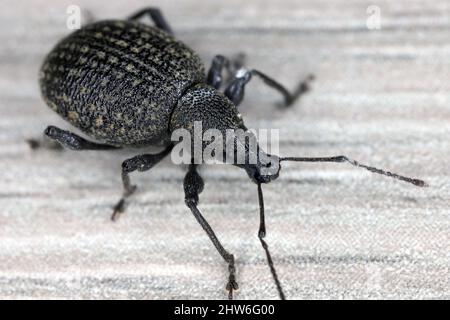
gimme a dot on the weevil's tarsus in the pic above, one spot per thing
(156, 16)
(74, 142)
(417, 182)
(140, 163)
(261, 235)
(118, 209)
(45, 143)
(128, 190)
(289, 98)
(33, 143)
(193, 186)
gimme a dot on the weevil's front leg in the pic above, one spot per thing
(235, 90)
(157, 17)
(218, 64)
(193, 186)
(141, 163)
(74, 142)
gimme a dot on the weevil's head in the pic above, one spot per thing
(214, 128)
(265, 170)
(260, 166)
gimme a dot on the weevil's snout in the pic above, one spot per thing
(260, 166)
(265, 170)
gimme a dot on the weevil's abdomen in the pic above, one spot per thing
(118, 81)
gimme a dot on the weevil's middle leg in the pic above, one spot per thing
(141, 163)
(193, 186)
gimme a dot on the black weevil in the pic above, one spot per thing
(129, 84)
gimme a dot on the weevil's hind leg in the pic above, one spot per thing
(235, 90)
(43, 143)
(141, 163)
(72, 141)
(156, 16)
(215, 74)
(193, 186)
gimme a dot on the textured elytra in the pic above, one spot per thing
(118, 81)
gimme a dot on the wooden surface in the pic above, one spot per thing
(381, 97)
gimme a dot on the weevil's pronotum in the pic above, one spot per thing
(126, 83)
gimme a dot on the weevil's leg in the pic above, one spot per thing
(261, 236)
(74, 142)
(157, 17)
(235, 90)
(43, 144)
(214, 77)
(141, 163)
(219, 62)
(193, 186)
(128, 190)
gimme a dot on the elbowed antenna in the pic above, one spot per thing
(261, 235)
(262, 225)
(417, 182)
